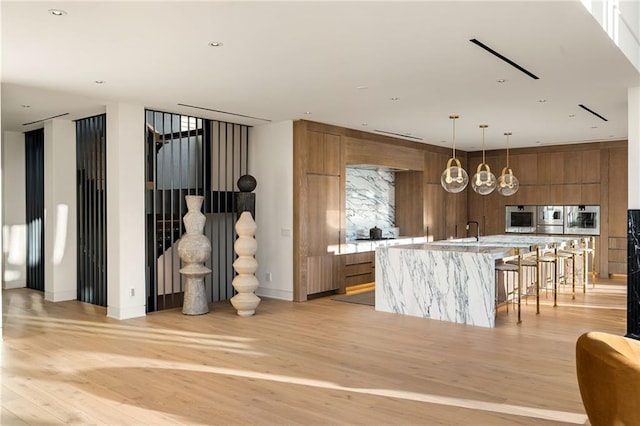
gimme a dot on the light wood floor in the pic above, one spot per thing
(314, 363)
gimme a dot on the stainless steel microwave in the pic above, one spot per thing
(582, 220)
(520, 219)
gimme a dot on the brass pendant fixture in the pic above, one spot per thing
(507, 183)
(483, 182)
(454, 178)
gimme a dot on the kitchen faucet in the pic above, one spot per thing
(477, 229)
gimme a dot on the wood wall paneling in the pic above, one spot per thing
(525, 168)
(409, 194)
(591, 166)
(618, 177)
(553, 194)
(434, 211)
(314, 153)
(572, 194)
(590, 193)
(550, 168)
(323, 273)
(359, 151)
(332, 155)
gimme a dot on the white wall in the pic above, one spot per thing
(125, 211)
(60, 228)
(633, 156)
(271, 163)
(14, 211)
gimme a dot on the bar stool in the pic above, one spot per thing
(515, 292)
(573, 252)
(527, 262)
(551, 259)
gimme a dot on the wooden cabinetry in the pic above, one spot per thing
(568, 175)
(357, 268)
(323, 153)
(317, 206)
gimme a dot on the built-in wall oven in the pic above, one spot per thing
(520, 219)
(582, 220)
(550, 220)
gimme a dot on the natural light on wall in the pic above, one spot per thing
(15, 249)
(621, 21)
(60, 241)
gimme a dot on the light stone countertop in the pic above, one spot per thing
(499, 246)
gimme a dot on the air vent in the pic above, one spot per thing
(592, 112)
(225, 112)
(504, 58)
(45, 119)
(398, 134)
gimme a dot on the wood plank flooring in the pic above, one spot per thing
(314, 363)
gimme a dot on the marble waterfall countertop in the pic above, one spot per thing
(449, 280)
(359, 246)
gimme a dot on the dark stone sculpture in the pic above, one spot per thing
(245, 199)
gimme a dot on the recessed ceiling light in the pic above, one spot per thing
(594, 127)
(537, 141)
(57, 12)
(443, 141)
(571, 115)
(307, 112)
(364, 124)
(362, 87)
(501, 80)
(215, 44)
(99, 81)
(542, 101)
(611, 136)
(25, 106)
(395, 99)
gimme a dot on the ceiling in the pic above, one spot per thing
(398, 67)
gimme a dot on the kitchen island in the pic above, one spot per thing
(451, 280)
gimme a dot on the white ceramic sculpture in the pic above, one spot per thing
(193, 249)
(245, 265)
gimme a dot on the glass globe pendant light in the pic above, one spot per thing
(454, 178)
(507, 183)
(483, 182)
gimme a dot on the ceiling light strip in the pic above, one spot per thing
(224, 112)
(504, 58)
(592, 112)
(398, 134)
(48, 118)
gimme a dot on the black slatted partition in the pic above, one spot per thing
(190, 156)
(91, 135)
(34, 169)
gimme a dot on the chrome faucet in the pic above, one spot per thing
(477, 229)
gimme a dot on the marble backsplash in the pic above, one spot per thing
(370, 201)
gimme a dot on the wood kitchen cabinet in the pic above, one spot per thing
(357, 268)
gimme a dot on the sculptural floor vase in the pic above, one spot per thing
(245, 265)
(194, 249)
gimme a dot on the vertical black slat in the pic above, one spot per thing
(225, 215)
(205, 156)
(34, 191)
(163, 209)
(171, 211)
(82, 211)
(40, 190)
(103, 210)
(181, 195)
(231, 219)
(154, 218)
(221, 250)
(91, 209)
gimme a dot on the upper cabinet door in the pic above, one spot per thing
(323, 153)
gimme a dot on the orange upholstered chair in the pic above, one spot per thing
(608, 368)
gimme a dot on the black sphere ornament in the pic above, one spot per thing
(247, 183)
